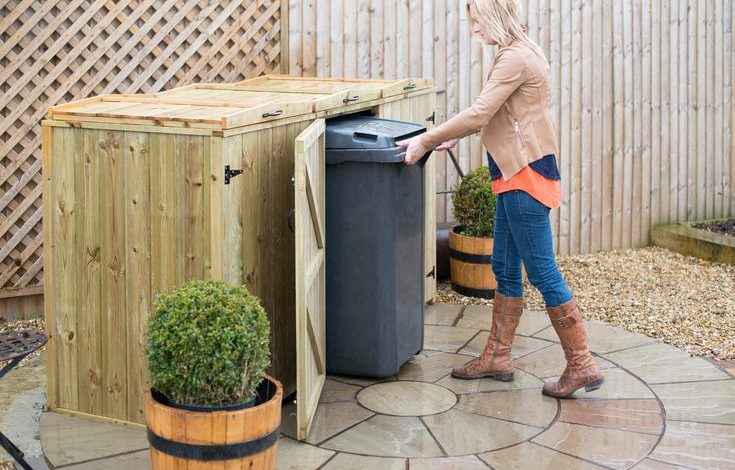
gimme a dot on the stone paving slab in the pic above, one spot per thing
(442, 314)
(67, 440)
(659, 409)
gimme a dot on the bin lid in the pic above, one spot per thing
(367, 139)
(365, 132)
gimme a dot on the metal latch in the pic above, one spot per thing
(432, 118)
(229, 174)
(432, 273)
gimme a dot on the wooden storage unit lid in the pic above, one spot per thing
(365, 89)
(179, 111)
(231, 93)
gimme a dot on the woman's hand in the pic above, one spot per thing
(414, 150)
(449, 144)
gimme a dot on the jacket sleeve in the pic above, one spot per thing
(507, 75)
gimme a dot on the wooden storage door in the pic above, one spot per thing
(310, 273)
(258, 248)
(420, 110)
(124, 219)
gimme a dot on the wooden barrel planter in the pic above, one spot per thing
(183, 437)
(471, 270)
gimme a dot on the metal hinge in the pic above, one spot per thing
(432, 118)
(432, 273)
(229, 174)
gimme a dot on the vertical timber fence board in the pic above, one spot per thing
(642, 98)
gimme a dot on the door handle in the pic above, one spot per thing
(273, 114)
(292, 221)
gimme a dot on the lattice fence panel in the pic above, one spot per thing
(58, 51)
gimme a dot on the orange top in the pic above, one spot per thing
(544, 190)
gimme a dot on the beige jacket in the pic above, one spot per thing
(513, 112)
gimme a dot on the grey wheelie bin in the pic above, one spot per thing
(375, 259)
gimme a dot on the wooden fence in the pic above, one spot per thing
(57, 51)
(643, 97)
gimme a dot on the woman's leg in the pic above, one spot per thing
(495, 360)
(506, 261)
(530, 228)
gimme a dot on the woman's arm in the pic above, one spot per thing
(506, 77)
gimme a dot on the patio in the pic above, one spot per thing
(660, 408)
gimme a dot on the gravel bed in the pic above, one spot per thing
(680, 300)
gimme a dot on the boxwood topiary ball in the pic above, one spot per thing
(208, 344)
(474, 204)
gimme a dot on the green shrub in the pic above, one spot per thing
(474, 204)
(207, 344)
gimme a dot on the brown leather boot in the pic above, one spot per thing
(495, 360)
(581, 370)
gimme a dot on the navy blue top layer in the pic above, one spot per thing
(545, 166)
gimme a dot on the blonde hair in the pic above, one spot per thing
(502, 21)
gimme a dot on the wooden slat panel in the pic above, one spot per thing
(596, 149)
(728, 108)
(138, 266)
(164, 236)
(194, 152)
(49, 298)
(91, 393)
(656, 130)
(646, 136)
(641, 97)
(666, 107)
(113, 275)
(64, 221)
(58, 52)
(718, 73)
(585, 186)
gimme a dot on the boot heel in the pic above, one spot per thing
(592, 386)
(504, 376)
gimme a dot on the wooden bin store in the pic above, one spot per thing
(145, 192)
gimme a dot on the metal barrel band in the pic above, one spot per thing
(470, 292)
(470, 258)
(215, 452)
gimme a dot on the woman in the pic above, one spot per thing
(514, 117)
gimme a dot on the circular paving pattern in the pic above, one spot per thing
(426, 416)
(417, 415)
(407, 398)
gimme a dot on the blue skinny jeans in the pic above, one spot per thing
(523, 235)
